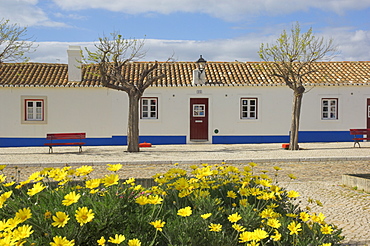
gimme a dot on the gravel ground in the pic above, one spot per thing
(318, 168)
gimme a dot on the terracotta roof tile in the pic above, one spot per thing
(181, 73)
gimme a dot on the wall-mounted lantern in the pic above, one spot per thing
(201, 65)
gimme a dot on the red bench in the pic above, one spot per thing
(64, 136)
(359, 135)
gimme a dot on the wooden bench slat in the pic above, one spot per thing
(53, 136)
(55, 144)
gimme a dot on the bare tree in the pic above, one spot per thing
(14, 43)
(112, 55)
(292, 57)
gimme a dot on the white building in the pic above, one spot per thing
(230, 102)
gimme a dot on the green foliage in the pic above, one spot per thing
(212, 205)
(13, 42)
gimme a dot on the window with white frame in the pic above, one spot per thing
(248, 108)
(33, 110)
(329, 108)
(149, 108)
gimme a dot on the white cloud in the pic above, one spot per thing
(353, 45)
(26, 13)
(228, 10)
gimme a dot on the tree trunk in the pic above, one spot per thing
(294, 128)
(133, 123)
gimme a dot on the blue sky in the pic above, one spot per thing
(219, 30)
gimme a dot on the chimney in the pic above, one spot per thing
(74, 63)
(199, 77)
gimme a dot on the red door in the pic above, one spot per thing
(199, 119)
(368, 113)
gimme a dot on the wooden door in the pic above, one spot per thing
(368, 113)
(199, 119)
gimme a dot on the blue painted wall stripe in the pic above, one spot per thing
(114, 140)
(304, 136)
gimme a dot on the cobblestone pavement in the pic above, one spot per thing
(346, 208)
(318, 171)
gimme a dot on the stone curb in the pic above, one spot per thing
(195, 162)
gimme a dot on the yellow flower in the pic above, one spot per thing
(130, 181)
(4, 197)
(110, 180)
(245, 237)
(215, 227)
(269, 213)
(238, 228)
(23, 231)
(292, 194)
(276, 237)
(292, 215)
(318, 218)
(292, 176)
(265, 183)
(59, 241)
(142, 200)
(203, 172)
(2, 178)
(277, 168)
(243, 191)
(84, 215)
(259, 234)
(13, 223)
(231, 194)
(71, 198)
(92, 183)
(274, 223)
(304, 216)
(60, 219)
(184, 211)
(94, 191)
(47, 214)
(117, 239)
(252, 164)
(21, 184)
(114, 167)
(134, 242)
(35, 176)
(325, 244)
(38, 187)
(155, 200)
(2, 167)
(326, 229)
(243, 202)
(9, 184)
(58, 174)
(158, 224)
(233, 218)
(84, 170)
(294, 228)
(101, 241)
(206, 216)
(24, 214)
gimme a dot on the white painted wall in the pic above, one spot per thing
(68, 110)
(102, 112)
